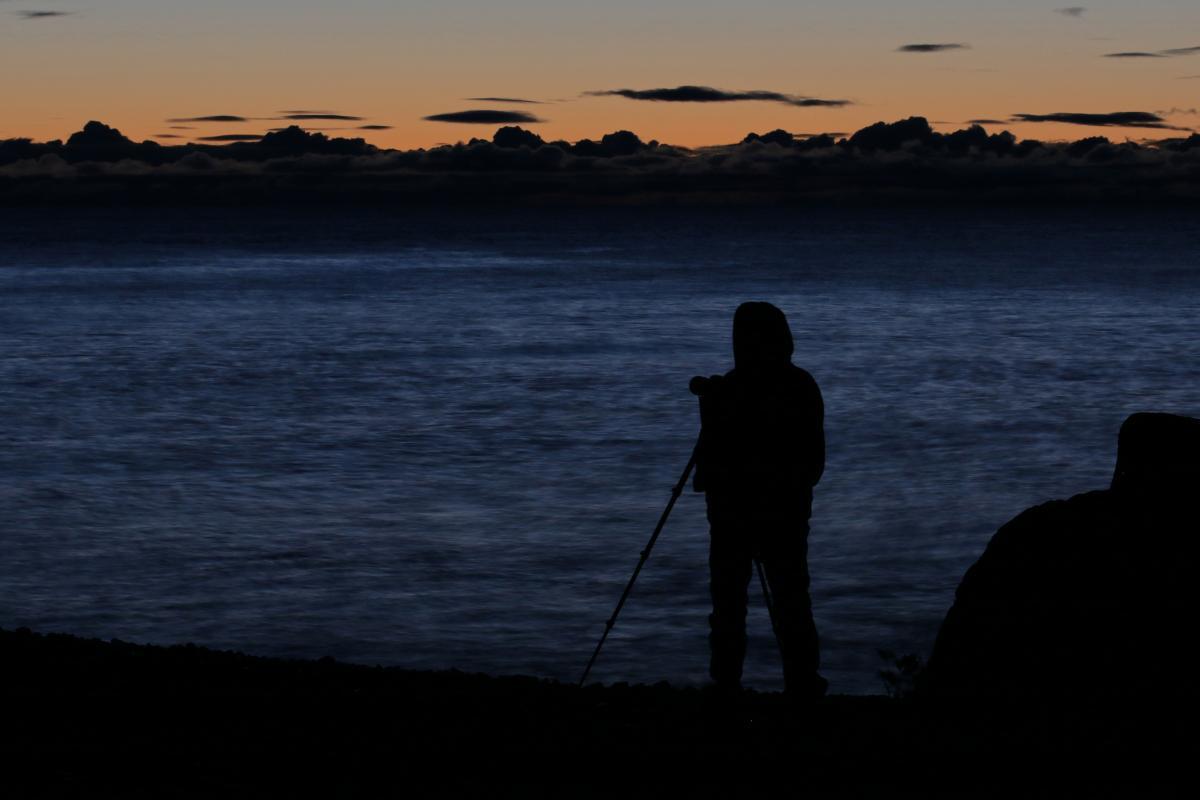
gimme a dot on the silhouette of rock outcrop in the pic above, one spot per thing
(1091, 598)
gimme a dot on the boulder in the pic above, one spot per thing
(1091, 597)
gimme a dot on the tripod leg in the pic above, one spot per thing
(662, 520)
(766, 590)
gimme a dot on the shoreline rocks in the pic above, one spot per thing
(1091, 598)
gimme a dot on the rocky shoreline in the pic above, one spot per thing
(87, 717)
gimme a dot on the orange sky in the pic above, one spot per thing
(136, 63)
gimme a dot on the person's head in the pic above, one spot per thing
(761, 337)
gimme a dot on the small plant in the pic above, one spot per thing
(901, 674)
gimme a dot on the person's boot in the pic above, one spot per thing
(805, 689)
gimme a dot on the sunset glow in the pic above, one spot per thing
(135, 64)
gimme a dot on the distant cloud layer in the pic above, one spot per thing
(483, 117)
(903, 161)
(1133, 54)
(44, 14)
(1118, 119)
(932, 48)
(1072, 11)
(707, 94)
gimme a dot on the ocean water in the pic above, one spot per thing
(440, 439)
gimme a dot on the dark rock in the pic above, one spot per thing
(1089, 598)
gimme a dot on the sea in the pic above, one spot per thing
(439, 438)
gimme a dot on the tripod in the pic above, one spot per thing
(676, 491)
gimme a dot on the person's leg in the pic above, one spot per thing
(729, 563)
(784, 555)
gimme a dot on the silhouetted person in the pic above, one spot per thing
(762, 449)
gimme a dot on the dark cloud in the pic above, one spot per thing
(505, 100)
(44, 14)
(707, 94)
(302, 116)
(167, 136)
(1072, 11)
(483, 116)
(1172, 52)
(1118, 119)
(904, 161)
(986, 121)
(212, 118)
(232, 137)
(931, 48)
(181, 127)
(340, 128)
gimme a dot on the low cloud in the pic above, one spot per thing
(483, 116)
(232, 137)
(932, 48)
(212, 118)
(301, 116)
(1118, 119)
(374, 127)
(708, 94)
(43, 14)
(1172, 52)
(986, 122)
(518, 100)
(1072, 11)
(902, 161)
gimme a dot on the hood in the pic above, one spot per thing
(761, 337)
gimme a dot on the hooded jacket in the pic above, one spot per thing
(762, 439)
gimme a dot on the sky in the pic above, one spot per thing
(145, 66)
